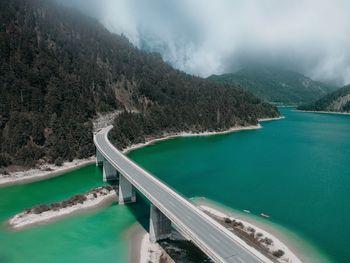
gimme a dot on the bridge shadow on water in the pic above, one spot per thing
(141, 210)
(179, 249)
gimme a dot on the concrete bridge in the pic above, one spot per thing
(170, 208)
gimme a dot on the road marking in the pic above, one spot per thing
(240, 260)
(217, 241)
(189, 218)
(158, 192)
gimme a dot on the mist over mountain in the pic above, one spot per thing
(205, 37)
(60, 69)
(337, 101)
(278, 86)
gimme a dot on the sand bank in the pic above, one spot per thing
(152, 252)
(94, 198)
(44, 172)
(271, 119)
(167, 136)
(325, 112)
(278, 243)
(50, 170)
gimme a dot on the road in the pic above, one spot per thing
(211, 237)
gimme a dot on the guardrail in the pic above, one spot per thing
(175, 220)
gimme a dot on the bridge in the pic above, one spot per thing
(169, 208)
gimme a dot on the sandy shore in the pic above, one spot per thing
(290, 255)
(141, 250)
(152, 252)
(191, 134)
(23, 219)
(50, 170)
(188, 134)
(135, 235)
(44, 172)
(325, 112)
(271, 119)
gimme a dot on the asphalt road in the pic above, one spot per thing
(212, 238)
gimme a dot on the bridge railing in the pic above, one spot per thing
(184, 200)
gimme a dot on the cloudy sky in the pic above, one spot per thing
(205, 37)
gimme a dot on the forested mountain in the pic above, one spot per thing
(277, 86)
(337, 101)
(59, 68)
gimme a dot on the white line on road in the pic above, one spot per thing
(216, 240)
(240, 260)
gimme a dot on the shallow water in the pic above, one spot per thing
(86, 237)
(296, 170)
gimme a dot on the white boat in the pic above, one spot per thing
(264, 215)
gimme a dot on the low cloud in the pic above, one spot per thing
(205, 37)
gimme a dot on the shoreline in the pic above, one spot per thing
(221, 213)
(45, 172)
(271, 119)
(141, 250)
(303, 248)
(324, 112)
(29, 218)
(191, 134)
(48, 171)
(135, 235)
(151, 252)
(168, 136)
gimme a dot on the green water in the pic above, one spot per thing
(87, 237)
(295, 170)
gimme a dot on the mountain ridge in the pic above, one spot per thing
(276, 85)
(337, 101)
(60, 68)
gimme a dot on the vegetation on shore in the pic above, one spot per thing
(337, 101)
(252, 237)
(279, 86)
(60, 68)
(73, 201)
(77, 199)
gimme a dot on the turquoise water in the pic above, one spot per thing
(295, 170)
(87, 237)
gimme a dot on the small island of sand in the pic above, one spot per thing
(256, 237)
(46, 213)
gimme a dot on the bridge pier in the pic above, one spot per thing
(126, 192)
(159, 226)
(99, 158)
(109, 172)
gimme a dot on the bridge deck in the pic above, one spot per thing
(212, 238)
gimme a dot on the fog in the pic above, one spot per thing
(205, 37)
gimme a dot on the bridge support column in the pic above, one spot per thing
(126, 191)
(159, 226)
(109, 172)
(99, 158)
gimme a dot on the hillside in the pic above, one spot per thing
(337, 101)
(60, 68)
(277, 86)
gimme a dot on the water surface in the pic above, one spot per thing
(88, 237)
(296, 170)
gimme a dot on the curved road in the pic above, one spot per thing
(212, 238)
